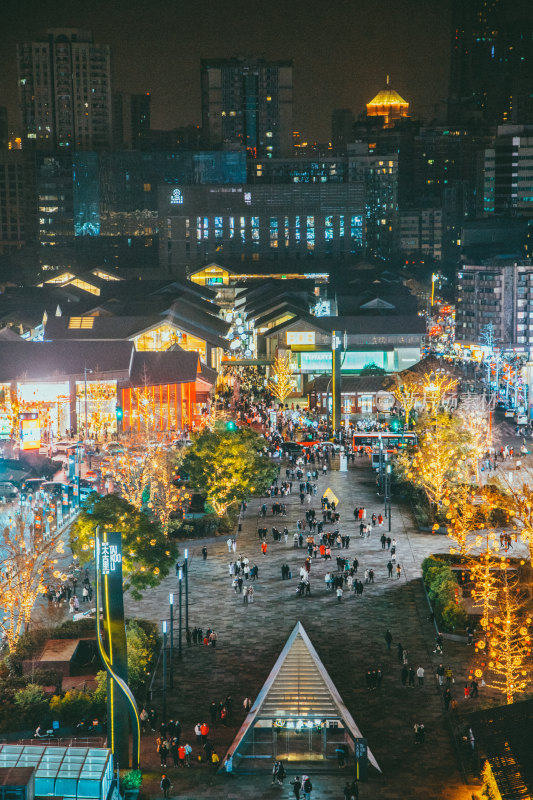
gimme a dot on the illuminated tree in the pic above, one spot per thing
(518, 505)
(435, 386)
(438, 461)
(144, 408)
(406, 392)
(165, 496)
(283, 383)
(28, 555)
(465, 515)
(228, 466)
(131, 472)
(485, 574)
(147, 554)
(508, 644)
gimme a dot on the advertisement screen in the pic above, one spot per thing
(30, 434)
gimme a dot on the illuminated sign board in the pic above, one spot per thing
(110, 556)
(5, 426)
(176, 198)
(300, 337)
(30, 434)
(350, 361)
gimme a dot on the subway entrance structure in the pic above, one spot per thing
(299, 715)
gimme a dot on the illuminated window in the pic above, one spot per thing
(286, 231)
(232, 227)
(148, 187)
(206, 228)
(242, 221)
(310, 233)
(255, 229)
(341, 226)
(83, 323)
(273, 232)
(219, 233)
(328, 228)
(297, 228)
(198, 228)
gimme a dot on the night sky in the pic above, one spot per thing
(342, 49)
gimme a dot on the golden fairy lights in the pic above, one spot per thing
(28, 554)
(507, 643)
(283, 383)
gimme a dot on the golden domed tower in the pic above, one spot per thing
(389, 105)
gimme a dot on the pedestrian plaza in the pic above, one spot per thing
(348, 637)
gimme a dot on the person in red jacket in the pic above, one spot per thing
(264, 548)
(204, 730)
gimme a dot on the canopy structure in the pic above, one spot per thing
(298, 715)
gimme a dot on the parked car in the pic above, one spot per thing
(509, 412)
(8, 490)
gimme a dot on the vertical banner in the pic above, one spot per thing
(120, 701)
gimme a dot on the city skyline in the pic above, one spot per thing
(398, 39)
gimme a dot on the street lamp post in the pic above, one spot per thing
(85, 371)
(171, 601)
(186, 590)
(380, 484)
(164, 669)
(388, 506)
(180, 579)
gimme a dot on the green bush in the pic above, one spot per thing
(442, 588)
(132, 779)
(72, 706)
(30, 695)
(454, 616)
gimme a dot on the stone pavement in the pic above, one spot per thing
(349, 638)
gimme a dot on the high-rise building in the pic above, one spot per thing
(248, 100)
(491, 72)
(18, 217)
(4, 134)
(508, 172)
(388, 105)
(131, 120)
(64, 83)
(342, 122)
(501, 295)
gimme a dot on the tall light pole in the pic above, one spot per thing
(164, 669)
(85, 371)
(171, 602)
(388, 470)
(186, 590)
(180, 580)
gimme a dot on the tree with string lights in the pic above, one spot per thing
(485, 573)
(508, 644)
(28, 556)
(466, 515)
(166, 496)
(283, 382)
(406, 391)
(131, 472)
(517, 503)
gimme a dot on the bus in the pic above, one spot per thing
(390, 441)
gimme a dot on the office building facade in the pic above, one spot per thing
(508, 172)
(246, 223)
(248, 101)
(64, 81)
(500, 295)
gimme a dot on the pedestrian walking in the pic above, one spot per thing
(398, 571)
(166, 786)
(296, 787)
(420, 675)
(307, 788)
(388, 638)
